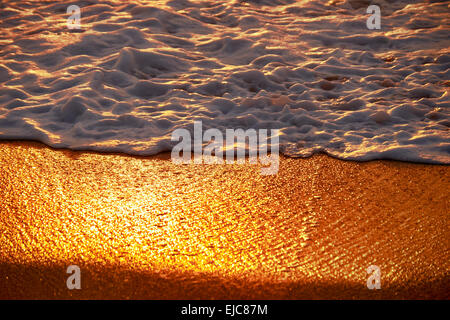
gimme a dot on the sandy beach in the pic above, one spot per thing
(145, 228)
(353, 95)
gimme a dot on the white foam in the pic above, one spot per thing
(312, 69)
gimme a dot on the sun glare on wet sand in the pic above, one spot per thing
(142, 225)
(361, 115)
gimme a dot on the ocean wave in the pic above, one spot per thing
(136, 72)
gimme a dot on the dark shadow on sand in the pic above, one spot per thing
(19, 281)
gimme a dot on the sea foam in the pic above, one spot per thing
(136, 72)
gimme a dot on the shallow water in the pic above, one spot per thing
(136, 72)
(146, 228)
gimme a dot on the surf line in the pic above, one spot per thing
(212, 153)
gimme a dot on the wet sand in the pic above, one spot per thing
(145, 228)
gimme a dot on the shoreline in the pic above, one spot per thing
(142, 227)
(166, 155)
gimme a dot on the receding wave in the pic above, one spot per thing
(137, 71)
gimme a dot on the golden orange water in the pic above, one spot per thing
(319, 223)
(147, 228)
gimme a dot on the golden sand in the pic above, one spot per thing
(147, 228)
